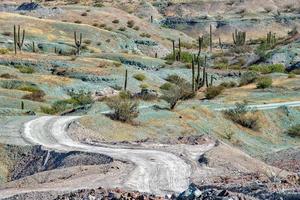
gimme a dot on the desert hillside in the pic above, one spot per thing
(128, 99)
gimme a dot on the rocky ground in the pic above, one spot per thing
(227, 160)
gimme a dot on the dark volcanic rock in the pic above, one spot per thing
(39, 160)
(28, 6)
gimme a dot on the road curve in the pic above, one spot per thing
(156, 171)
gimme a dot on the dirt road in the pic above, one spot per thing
(156, 171)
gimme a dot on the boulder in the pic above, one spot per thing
(106, 92)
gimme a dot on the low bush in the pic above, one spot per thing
(266, 69)
(130, 24)
(25, 69)
(139, 77)
(248, 77)
(4, 51)
(124, 108)
(79, 98)
(213, 91)
(122, 29)
(186, 57)
(243, 115)
(115, 21)
(8, 76)
(292, 75)
(294, 131)
(264, 82)
(147, 35)
(229, 84)
(35, 96)
(166, 86)
(57, 107)
(178, 89)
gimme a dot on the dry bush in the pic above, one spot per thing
(213, 91)
(124, 108)
(244, 116)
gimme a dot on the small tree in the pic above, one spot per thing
(264, 82)
(179, 89)
(124, 108)
(172, 95)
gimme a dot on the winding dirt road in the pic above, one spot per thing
(157, 172)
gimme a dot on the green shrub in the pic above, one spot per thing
(25, 69)
(186, 57)
(81, 98)
(230, 84)
(266, 69)
(124, 108)
(292, 75)
(4, 51)
(179, 89)
(264, 82)
(136, 28)
(244, 116)
(20, 85)
(139, 77)
(294, 131)
(166, 86)
(57, 107)
(213, 91)
(248, 77)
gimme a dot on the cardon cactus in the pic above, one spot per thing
(77, 42)
(239, 38)
(18, 38)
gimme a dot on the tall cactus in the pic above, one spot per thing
(22, 105)
(239, 38)
(18, 38)
(220, 44)
(210, 38)
(212, 78)
(126, 78)
(77, 42)
(179, 49)
(198, 73)
(174, 50)
(33, 47)
(193, 75)
(204, 72)
(271, 39)
(200, 43)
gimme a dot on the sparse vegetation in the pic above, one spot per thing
(139, 77)
(292, 75)
(25, 69)
(213, 91)
(243, 115)
(179, 89)
(124, 108)
(248, 77)
(229, 84)
(264, 82)
(266, 69)
(4, 51)
(294, 131)
(80, 98)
